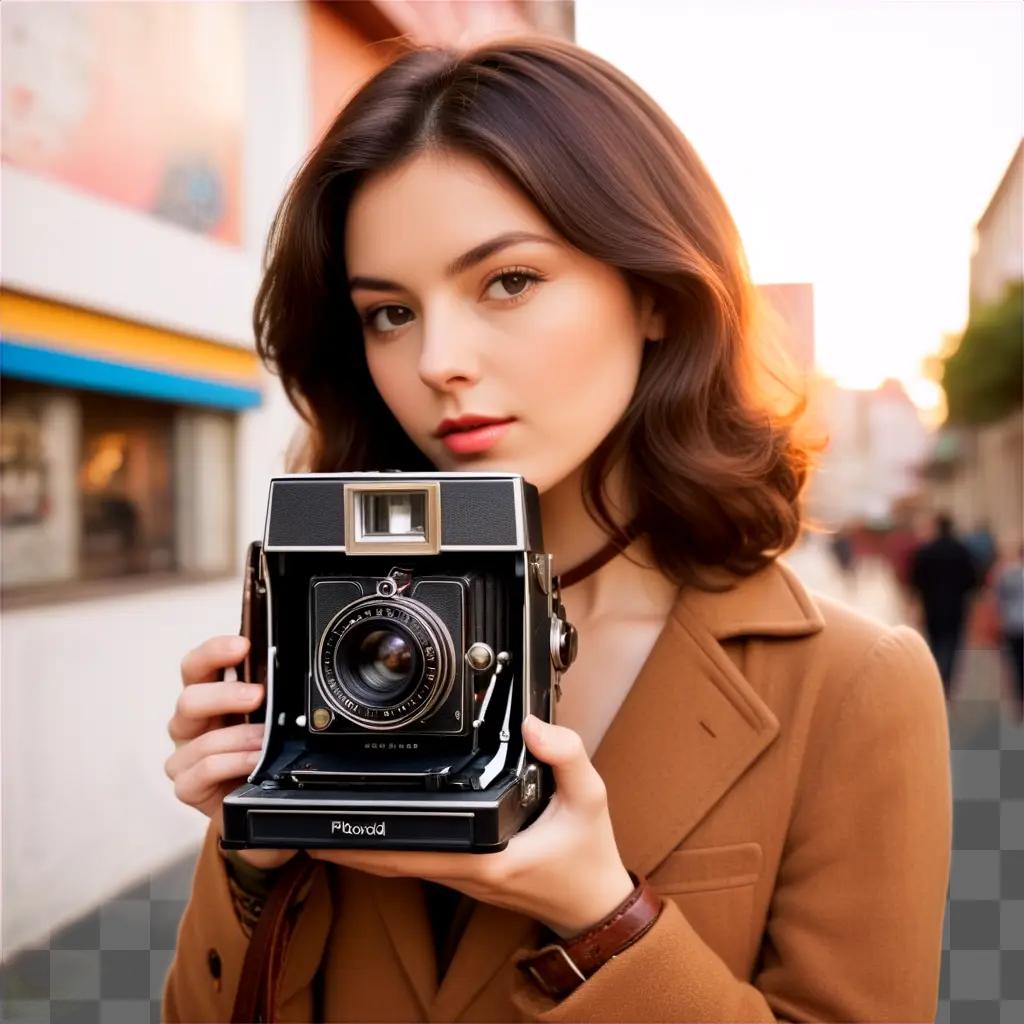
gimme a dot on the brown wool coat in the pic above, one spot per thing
(779, 771)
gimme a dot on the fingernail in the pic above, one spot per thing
(253, 759)
(238, 643)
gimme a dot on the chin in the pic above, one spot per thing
(485, 463)
(543, 474)
(543, 477)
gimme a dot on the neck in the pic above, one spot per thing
(620, 587)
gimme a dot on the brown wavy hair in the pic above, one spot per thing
(713, 462)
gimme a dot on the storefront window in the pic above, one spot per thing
(98, 487)
(24, 496)
(38, 505)
(126, 487)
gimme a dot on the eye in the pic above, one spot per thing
(516, 282)
(393, 318)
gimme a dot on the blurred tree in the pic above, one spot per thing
(984, 377)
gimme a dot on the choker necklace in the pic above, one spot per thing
(590, 565)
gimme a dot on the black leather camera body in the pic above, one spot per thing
(404, 624)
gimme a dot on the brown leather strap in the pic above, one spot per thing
(559, 968)
(586, 568)
(257, 984)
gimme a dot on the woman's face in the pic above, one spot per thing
(464, 319)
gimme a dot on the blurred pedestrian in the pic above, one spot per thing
(943, 574)
(843, 552)
(898, 549)
(982, 546)
(1008, 583)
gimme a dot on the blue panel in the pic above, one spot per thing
(28, 362)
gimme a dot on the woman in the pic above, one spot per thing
(518, 233)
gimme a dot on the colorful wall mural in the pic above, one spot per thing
(140, 104)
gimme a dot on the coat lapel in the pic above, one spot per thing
(711, 724)
(690, 726)
(403, 907)
(492, 935)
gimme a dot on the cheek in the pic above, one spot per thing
(585, 355)
(573, 373)
(395, 380)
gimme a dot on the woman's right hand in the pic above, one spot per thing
(212, 757)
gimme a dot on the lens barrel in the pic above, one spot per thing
(385, 662)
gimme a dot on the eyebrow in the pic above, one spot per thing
(462, 263)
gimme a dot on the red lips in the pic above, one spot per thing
(472, 435)
(468, 422)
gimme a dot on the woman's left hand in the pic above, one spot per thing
(564, 870)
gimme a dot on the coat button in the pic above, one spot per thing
(213, 963)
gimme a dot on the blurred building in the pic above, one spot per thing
(998, 256)
(876, 439)
(145, 148)
(876, 442)
(976, 467)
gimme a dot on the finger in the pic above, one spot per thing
(217, 741)
(205, 779)
(532, 845)
(437, 866)
(203, 664)
(200, 703)
(550, 810)
(351, 859)
(576, 779)
(390, 862)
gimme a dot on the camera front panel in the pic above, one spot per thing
(383, 664)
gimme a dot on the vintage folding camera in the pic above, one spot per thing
(404, 625)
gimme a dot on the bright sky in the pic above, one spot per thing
(857, 142)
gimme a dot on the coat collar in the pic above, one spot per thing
(771, 602)
(712, 725)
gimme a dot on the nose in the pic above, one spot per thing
(449, 358)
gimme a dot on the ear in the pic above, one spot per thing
(652, 319)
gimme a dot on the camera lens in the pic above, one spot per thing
(385, 662)
(379, 660)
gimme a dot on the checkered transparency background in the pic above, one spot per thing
(110, 965)
(983, 937)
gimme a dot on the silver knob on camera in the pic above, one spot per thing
(480, 657)
(565, 640)
(564, 643)
(529, 786)
(395, 583)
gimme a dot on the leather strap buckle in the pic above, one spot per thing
(561, 967)
(547, 985)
